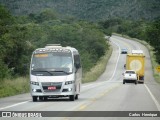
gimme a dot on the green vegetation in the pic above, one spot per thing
(26, 33)
(89, 9)
(38, 24)
(98, 69)
(148, 33)
(12, 87)
(20, 35)
(143, 30)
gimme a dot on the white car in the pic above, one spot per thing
(129, 75)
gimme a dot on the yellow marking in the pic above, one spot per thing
(107, 91)
(158, 68)
(66, 118)
(102, 94)
(82, 107)
(93, 99)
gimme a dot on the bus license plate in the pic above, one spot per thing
(51, 88)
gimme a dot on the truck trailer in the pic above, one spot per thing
(136, 61)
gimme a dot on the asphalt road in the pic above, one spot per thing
(106, 94)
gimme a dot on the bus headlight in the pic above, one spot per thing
(69, 89)
(34, 83)
(34, 90)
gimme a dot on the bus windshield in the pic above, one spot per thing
(54, 61)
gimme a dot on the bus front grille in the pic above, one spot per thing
(56, 85)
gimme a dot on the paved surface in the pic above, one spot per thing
(106, 94)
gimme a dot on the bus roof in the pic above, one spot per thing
(56, 47)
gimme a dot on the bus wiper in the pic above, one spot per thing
(49, 72)
(61, 71)
(43, 71)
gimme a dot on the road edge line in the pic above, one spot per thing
(153, 98)
(116, 61)
(14, 105)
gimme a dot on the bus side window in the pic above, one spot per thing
(77, 63)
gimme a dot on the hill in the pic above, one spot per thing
(89, 9)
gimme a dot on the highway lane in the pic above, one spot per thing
(129, 97)
(149, 79)
(130, 93)
(106, 94)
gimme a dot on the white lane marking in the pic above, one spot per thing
(116, 61)
(87, 85)
(153, 98)
(14, 105)
(92, 85)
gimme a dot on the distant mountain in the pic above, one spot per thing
(89, 9)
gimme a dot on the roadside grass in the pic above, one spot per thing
(10, 87)
(152, 55)
(98, 69)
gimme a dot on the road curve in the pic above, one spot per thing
(106, 94)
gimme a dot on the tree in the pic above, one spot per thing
(46, 15)
(153, 37)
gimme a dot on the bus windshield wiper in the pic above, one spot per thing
(43, 71)
(61, 71)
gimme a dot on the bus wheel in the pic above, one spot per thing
(136, 82)
(76, 97)
(34, 98)
(123, 81)
(71, 98)
(45, 98)
(41, 98)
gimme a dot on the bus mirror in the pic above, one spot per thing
(77, 65)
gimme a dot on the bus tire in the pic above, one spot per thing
(40, 98)
(34, 98)
(76, 97)
(123, 81)
(45, 98)
(136, 82)
(71, 98)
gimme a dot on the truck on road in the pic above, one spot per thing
(136, 61)
(55, 71)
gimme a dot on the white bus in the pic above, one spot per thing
(55, 71)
